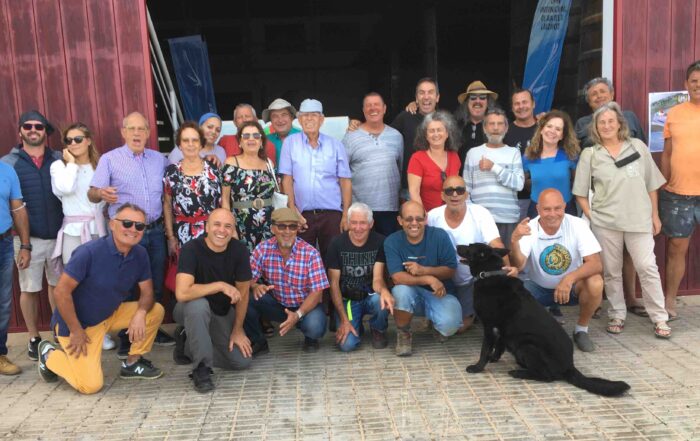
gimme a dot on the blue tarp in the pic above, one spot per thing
(190, 59)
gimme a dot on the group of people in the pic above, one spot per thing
(370, 227)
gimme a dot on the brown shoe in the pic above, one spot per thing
(403, 343)
(379, 340)
(7, 367)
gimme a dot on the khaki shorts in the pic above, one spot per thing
(30, 279)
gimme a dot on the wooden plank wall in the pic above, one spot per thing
(73, 60)
(655, 41)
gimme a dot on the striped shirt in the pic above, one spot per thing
(496, 189)
(138, 179)
(294, 280)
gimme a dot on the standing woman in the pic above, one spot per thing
(623, 212)
(436, 145)
(249, 185)
(550, 159)
(210, 123)
(192, 189)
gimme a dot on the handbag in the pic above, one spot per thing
(171, 272)
(279, 199)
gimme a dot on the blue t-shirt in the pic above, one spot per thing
(550, 173)
(105, 279)
(435, 249)
(9, 190)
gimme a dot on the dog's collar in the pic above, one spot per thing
(486, 274)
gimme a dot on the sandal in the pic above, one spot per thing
(662, 330)
(638, 310)
(615, 326)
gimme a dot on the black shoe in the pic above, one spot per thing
(163, 339)
(179, 351)
(142, 369)
(43, 351)
(260, 347)
(33, 348)
(201, 377)
(310, 344)
(124, 348)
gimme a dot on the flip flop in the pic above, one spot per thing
(673, 317)
(638, 310)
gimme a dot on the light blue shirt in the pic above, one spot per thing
(9, 190)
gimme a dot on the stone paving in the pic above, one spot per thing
(374, 395)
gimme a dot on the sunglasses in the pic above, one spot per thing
(251, 135)
(29, 126)
(443, 176)
(412, 219)
(76, 139)
(290, 227)
(478, 97)
(450, 191)
(140, 226)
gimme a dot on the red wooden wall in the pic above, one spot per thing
(73, 60)
(655, 41)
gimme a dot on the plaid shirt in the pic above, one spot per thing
(294, 280)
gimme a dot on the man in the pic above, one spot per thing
(375, 153)
(288, 283)
(316, 177)
(473, 104)
(494, 174)
(91, 301)
(241, 114)
(465, 223)
(133, 174)
(421, 262)
(280, 115)
(356, 274)
(520, 133)
(679, 201)
(12, 210)
(32, 160)
(212, 283)
(563, 260)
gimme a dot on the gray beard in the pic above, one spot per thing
(495, 139)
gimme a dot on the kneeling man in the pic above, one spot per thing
(102, 274)
(563, 259)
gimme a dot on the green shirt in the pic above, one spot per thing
(275, 139)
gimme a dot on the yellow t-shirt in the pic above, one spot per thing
(683, 127)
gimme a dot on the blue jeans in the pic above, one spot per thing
(6, 264)
(312, 325)
(445, 312)
(355, 310)
(545, 296)
(465, 295)
(154, 242)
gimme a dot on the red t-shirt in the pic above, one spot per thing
(431, 180)
(230, 144)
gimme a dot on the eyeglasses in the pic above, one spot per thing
(290, 227)
(478, 97)
(251, 135)
(412, 219)
(76, 139)
(443, 176)
(136, 129)
(29, 126)
(140, 226)
(451, 191)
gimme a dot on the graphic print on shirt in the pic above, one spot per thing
(357, 269)
(555, 260)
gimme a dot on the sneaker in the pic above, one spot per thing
(260, 347)
(124, 347)
(310, 344)
(7, 367)
(33, 348)
(379, 340)
(201, 377)
(179, 351)
(583, 341)
(107, 343)
(404, 341)
(142, 369)
(163, 339)
(43, 354)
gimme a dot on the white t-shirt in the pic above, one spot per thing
(477, 226)
(549, 258)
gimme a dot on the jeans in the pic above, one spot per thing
(312, 325)
(154, 242)
(355, 310)
(545, 296)
(445, 312)
(6, 264)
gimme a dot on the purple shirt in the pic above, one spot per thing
(137, 178)
(315, 171)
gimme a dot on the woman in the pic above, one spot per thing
(192, 189)
(623, 212)
(550, 159)
(436, 144)
(70, 182)
(249, 185)
(210, 123)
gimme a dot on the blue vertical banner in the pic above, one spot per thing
(190, 59)
(544, 51)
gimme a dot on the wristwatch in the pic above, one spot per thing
(299, 314)
(27, 247)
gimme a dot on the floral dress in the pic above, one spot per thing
(253, 224)
(193, 198)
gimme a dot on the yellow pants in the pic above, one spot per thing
(85, 372)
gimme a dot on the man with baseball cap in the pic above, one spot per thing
(473, 104)
(280, 115)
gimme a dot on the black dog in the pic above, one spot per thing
(513, 320)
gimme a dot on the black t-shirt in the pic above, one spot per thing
(520, 137)
(407, 124)
(355, 263)
(472, 136)
(207, 266)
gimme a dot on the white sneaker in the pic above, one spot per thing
(108, 344)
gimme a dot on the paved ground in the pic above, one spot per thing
(374, 395)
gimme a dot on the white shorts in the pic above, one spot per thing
(31, 278)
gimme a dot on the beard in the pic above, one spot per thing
(38, 143)
(495, 139)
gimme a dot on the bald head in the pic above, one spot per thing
(551, 209)
(454, 181)
(221, 215)
(551, 196)
(411, 208)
